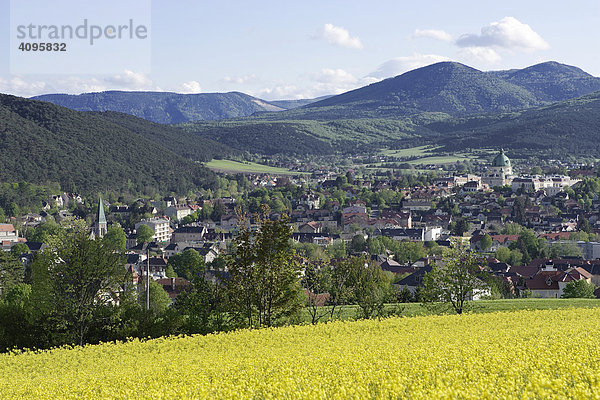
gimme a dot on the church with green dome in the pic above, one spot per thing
(500, 173)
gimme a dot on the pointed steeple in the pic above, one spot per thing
(100, 217)
(100, 220)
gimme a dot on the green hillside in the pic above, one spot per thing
(566, 128)
(185, 144)
(42, 142)
(315, 137)
(551, 81)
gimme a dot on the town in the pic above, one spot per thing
(537, 232)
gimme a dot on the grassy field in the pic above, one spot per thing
(481, 306)
(439, 160)
(429, 155)
(410, 152)
(248, 167)
(404, 171)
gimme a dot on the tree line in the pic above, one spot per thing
(77, 290)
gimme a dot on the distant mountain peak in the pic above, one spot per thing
(554, 67)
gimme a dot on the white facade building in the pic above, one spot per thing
(551, 184)
(8, 234)
(160, 226)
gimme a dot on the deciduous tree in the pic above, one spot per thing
(456, 278)
(580, 288)
(144, 234)
(264, 273)
(74, 278)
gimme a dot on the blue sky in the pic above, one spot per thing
(279, 50)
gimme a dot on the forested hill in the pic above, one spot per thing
(185, 144)
(551, 81)
(454, 89)
(571, 127)
(165, 107)
(42, 142)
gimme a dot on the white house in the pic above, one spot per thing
(160, 226)
(178, 211)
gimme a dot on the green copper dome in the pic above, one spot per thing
(501, 160)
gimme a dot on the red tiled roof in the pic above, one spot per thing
(524, 270)
(504, 238)
(556, 235)
(7, 228)
(544, 280)
(548, 280)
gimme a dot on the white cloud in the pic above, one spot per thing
(400, 65)
(280, 92)
(190, 87)
(336, 76)
(508, 33)
(432, 34)
(324, 82)
(131, 80)
(34, 85)
(76, 85)
(18, 86)
(484, 55)
(240, 80)
(338, 36)
(336, 81)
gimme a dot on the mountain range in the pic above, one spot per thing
(172, 108)
(446, 87)
(454, 89)
(445, 103)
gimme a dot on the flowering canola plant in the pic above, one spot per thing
(505, 355)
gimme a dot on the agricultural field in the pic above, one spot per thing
(501, 355)
(419, 151)
(247, 167)
(430, 155)
(439, 160)
(481, 306)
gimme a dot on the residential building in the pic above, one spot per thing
(550, 282)
(8, 234)
(178, 212)
(189, 234)
(160, 226)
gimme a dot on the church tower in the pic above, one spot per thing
(500, 173)
(100, 225)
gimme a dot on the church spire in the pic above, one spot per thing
(100, 220)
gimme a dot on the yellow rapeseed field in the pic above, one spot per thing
(524, 354)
